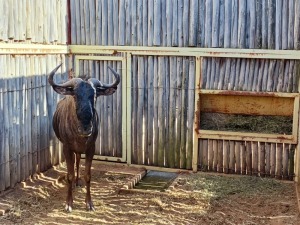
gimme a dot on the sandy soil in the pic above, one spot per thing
(193, 199)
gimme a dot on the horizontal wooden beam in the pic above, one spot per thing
(11, 48)
(240, 136)
(107, 158)
(187, 51)
(250, 93)
(247, 105)
(145, 167)
(32, 49)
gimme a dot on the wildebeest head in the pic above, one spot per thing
(84, 94)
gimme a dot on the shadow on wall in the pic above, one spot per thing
(27, 142)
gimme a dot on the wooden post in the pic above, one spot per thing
(128, 108)
(197, 113)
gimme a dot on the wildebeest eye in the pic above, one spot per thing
(69, 89)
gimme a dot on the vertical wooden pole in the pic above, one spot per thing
(128, 108)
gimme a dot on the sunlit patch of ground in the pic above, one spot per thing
(193, 199)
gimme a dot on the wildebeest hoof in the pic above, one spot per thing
(90, 206)
(68, 208)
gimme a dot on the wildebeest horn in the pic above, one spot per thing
(106, 89)
(62, 88)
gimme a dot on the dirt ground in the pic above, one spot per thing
(192, 199)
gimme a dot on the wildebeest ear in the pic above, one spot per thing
(64, 90)
(105, 91)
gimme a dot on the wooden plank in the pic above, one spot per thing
(134, 109)
(145, 23)
(121, 111)
(221, 24)
(163, 24)
(172, 113)
(104, 22)
(161, 111)
(242, 24)
(7, 118)
(139, 25)
(222, 73)
(272, 159)
(174, 23)
(155, 114)
(215, 24)
(237, 149)
(201, 22)
(77, 21)
(145, 113)
(190, 113)
(255, 158)
(215, 155)
(226, 157)
(140, 109)
(268, 158)
(243, 157)
(247, 105)
(4, 21)
(285, 161)
(284, 28)
(297, 26)
(205, 161)
(2, 132)
(185, 51)
(271, 24)
(249, 157)
(290, 34)
(231, 157)
(208, 24)
(262, 161)
(122, 22)
(92, 12)
(278, 169)
(13, 154)
(64, 20)
(210, 155)
(228, 135)
(278, 25)
(180, 22)
(151, 121)
(184, 83)
(150, 22)
(169, 20)
(220, 153)
(128, 107)
(179, 70)
(196, 125)
(110, 23)
(185, 23)
(157, 23)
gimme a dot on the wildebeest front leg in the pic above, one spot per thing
(87, 177)
(70, 159)
(78, 180)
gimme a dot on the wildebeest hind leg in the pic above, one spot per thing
(70, 159)
(87, 177)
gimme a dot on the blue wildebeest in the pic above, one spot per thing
(75, 123)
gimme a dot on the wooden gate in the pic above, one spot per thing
(111, 141)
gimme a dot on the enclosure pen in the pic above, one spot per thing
(201, 47)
